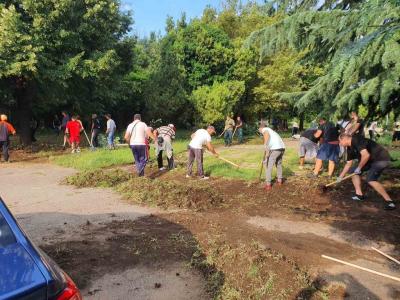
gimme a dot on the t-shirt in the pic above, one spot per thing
(239, 124)
(229, 124)
(397, 126)
(137, 130)
(201, 138)
(330, 133)
(376, 151)
(275, 142)
(111, 127)
(310, 134)
(373, 126)
(166, 131)
(295, 125)
(5, 130)
(96, 124)
(74, 128)
(65, 120)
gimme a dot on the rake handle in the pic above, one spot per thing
(344, 178)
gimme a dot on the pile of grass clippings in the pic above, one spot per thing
(99, 178)
(171, 193)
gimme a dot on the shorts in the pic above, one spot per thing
(308, 148)
(75, 139)
(374, 169)
(329, 152)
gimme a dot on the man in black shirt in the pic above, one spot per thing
(95, 129)
(372, 158)
(329, 149)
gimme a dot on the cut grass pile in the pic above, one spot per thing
(165, 194)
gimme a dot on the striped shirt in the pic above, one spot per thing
(166, 131)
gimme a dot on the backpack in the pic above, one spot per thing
(3, 132)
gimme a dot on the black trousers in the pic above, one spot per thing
(95, 137)
(5, 149)
(160, 161)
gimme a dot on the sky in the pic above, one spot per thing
(150, 15)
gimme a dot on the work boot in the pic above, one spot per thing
(268, 187)
(390, 205)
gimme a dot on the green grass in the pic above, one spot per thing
(395, 154)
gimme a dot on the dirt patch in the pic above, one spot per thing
(149, 242)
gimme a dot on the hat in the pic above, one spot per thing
(212, 128)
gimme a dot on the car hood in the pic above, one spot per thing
(19, 274)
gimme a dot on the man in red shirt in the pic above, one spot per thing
(6, 129)
(74, 128)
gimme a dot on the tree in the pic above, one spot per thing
(214, 102)
(359, 44)
(58, 52)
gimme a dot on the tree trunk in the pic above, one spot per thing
(301, 125)
(24, 95)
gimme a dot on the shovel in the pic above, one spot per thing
(90, 143)
(262, 165)
(326, 187)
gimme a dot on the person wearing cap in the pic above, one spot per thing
(110, 131)
(202, 137)
(6, 129)
(95, 129)
(163, 143)
(136, 135)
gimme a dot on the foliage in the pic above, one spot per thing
(359, 45)
(214, 102)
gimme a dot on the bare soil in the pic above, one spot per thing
(257, 244)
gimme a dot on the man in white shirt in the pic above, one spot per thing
(274, 150)
(110, 132)
(200, 138)
(136, 135)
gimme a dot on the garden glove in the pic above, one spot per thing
(357, 171)
(339, 179)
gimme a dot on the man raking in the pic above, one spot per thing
(200, 138)
(164, 136)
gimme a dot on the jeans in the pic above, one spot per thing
(139, 154)
(240, 135)
(160, 160)
(110, 139)
(275, 158)
(195, 154)
(95, 137)
(5, 146)
(228, 137)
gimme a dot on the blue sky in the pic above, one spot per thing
(150, 15)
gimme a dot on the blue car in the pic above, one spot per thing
(26, 273)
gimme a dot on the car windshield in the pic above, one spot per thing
(6, 236)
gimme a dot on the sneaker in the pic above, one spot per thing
(312, 175)
(279, 182)
(188, 176)
(301, 167)
(358, 197)
(73, 151)
(162, 169)
(78, 150)
(204, 178)
(268, 187)
(390, 205)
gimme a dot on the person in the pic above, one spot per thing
(136, 134)
(229, 125)
(372, 129)
(357, 125)
(63, 127)
(372, 158)
(202, 137)
(308, 146)
(6, 129)
(274, 151)
(110, 131)
(239, 129)
(95, 130)
(329, 147)
(163, 143)
(295, 128)
(56, 124)
(73, 129)
(147, 141)
(396, 132)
